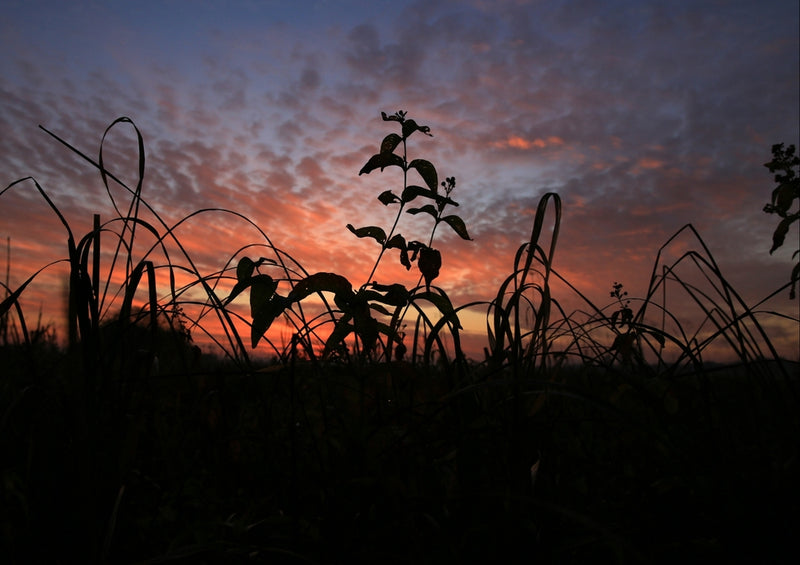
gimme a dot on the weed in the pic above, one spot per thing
(353, 311)
(784, 164)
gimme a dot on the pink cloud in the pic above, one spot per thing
(517, 142)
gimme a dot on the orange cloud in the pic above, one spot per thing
(649, 163)
(517, 142)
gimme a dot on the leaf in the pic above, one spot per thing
(783, 196)
(624, 343)
(410, 126)
(244, 277)
(458, 226)
(262, 287)
(394, 294)
(390, 142)
(366, 327)
(381, 309)
(414, 247)
(429, 263)
(442, 304)
(381, 161)
(388, 197)
(428, 209)
(388, 331)
(427, 171)
(393, 118)
(412, 191)
(397, 241)
(780, 233)
(404, 260)
(237, 289)
(658, 336)
(244, 269)
(340, 331)
(374, 232)
(321, 282)
(266, 314)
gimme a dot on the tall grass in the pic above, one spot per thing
(601, 434)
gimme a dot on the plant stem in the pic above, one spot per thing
(396, 219)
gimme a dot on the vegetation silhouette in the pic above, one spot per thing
(785, 165)
(354, 308)
(605, 434)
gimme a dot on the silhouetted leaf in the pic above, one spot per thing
(388, 331)
(458, 226)
(412, 191)
(394, 118)
(390, 142)
(658, 336)
(381, 309)
(427, 171)
(374, 232)
(393, 294)
(244, 276)
(364, 325)
(780, 233)
(237, 289)
(397, 241)
(429, 263)
(414, 247)
(388, 197)
(381, 160)
(340, 331)
(265, 315)
(404, 259)
(257, 330)
(427, 209)
(627, 316)
(322, 282)
(410, 126)
(262, 287)
(400, 351)
(783, 196)
(245, 269)
(441, 302)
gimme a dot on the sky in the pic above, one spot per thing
(642, 116)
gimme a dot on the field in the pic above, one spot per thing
(574, 439)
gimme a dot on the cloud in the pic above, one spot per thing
(517, 142)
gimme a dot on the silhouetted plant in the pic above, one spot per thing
(784, 165)
(392, 300)
(627, 342)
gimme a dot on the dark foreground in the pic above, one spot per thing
(395, 464)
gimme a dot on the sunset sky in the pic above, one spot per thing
(642, 115)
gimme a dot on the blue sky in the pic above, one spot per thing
(643, 116)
